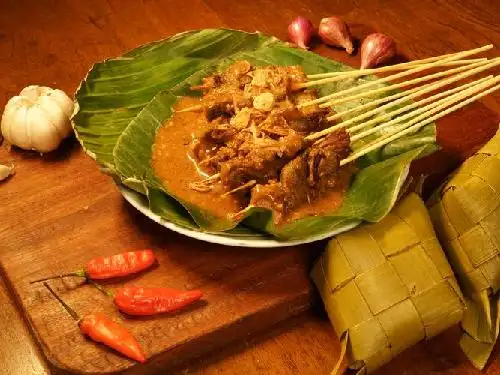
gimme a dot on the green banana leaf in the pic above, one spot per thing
(123, 101)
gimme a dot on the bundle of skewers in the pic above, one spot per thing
(415, 107)
(415, 115)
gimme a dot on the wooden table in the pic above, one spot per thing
(55, 42)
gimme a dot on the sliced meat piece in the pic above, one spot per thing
(289, 193)
(323, 158)
(213, 161)
(307, 119)
(224, 103)
(295, 74)
(232, 75)
(292, 144)
(259, 166)
(305, 96)
(293, 179)
(274, 125)
(209, 83)
(261, 163)
(309, 124)
(270, 196)
(221, 134)
(217, 110)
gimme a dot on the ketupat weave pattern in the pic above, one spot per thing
(388, 285)
(466, 214)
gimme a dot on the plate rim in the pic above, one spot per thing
(134, 198)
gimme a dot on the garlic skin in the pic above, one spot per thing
(334, 32)
(6, 171)
(377, 49)
(37, 119)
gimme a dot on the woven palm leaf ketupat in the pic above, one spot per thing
(387, 286)
(466, 214)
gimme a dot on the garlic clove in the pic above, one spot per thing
(67, 105)
(33, 92)
(334, 32)
(17, 133)
(377, 49)
(56, 114)
(6, 171)
(7, 114)
(264, 102)
(42, 130)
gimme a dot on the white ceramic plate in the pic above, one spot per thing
(244, 239)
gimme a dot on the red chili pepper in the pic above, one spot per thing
(117, 265)
(150, 301)
(103, 330)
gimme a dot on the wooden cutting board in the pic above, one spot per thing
(59, 211)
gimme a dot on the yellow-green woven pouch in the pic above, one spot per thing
(387, 286)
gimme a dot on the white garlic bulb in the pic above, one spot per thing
(37, 119)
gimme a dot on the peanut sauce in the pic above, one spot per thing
(176, 169)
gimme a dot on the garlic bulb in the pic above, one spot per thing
(37, 119)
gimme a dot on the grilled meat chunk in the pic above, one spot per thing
(323, 159)
(270, 196)
(306, 177)
(261, 162)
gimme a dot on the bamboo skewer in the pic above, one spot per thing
(468, 72)
(389, 115)
(385, 68)
(428, 77)
(456, 94)
(398, 75)
(432, 100)
(418, 92)
(412, 126)
(412, 94)
(473, 69)
(248, 185)
(357, 73)
(376, 102)
(193, 108)
(411, 64)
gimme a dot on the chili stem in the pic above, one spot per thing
(101, 288)
(70, 311)
(76, 273)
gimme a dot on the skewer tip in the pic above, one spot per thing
(194, 108)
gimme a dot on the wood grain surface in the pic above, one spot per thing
(59, 210)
